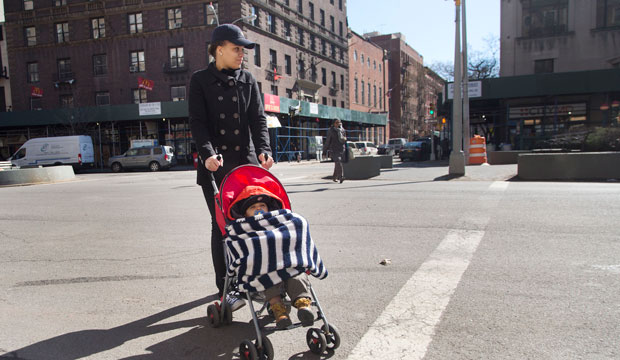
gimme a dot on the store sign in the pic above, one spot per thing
(146, 109)
(272, 103)
(314, 108)
(474, 89)
(36, 91)
(530, 112)
(145, 83)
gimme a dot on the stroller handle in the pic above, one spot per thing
(213, 184)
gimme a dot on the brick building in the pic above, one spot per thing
(368, 81)
(406, 86)
(85, 66)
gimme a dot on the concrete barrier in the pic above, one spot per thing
(569, 166)
(505, 157)
(36, 175)
(362, 167)
(386, 161)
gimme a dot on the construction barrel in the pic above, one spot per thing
(477, 150)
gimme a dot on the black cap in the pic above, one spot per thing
(240, 207)
(231, 33)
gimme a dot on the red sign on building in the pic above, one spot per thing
(272, 103)
(36, 91)
(145, 83)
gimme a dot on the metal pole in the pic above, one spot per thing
(457, 158)
(113, 140)
(100, 148)
(466, 128)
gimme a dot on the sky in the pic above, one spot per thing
(428, 25)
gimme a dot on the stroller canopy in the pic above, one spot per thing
(240, 177)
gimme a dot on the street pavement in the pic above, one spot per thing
(422, 265)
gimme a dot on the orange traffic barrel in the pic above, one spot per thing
(477, 150)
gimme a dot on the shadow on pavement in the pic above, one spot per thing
(199, 342)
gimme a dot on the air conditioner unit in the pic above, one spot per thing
(133, 68)
(288, 38)
(177, 25)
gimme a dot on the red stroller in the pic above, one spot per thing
(220, 313)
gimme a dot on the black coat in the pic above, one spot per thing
(335, 142)
(226, 116)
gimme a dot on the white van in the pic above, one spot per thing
(62, 150)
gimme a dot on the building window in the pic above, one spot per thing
(301, 36)
(356, 92)
(332, 23)
(60, 2)
(369, 93)
(313, 76)
(257, 55)
(211, 14)
(362, 58)
(341, 82)
(273, 58)
(62, 32)
(36, 103)
(342, 52)
(139, 96)
(177, 93)
(323, 47)
(334, 102)
(379, 67)
(331, 2)
(544, 18)
(374, 63)
(100, 64)
(289, 93)
(66, 101)
(312, 42)
(607, 13)
(271, 23)
(543, 66)
(374, 91)
(322, 12)
(254, 11)
(28, 4)
(340, 28)
(287, 3)
(300, 7)
(274, 90)
(135, 23)
(363, 97)
(333, 46)
(102, 98)
(177, 60)
(333, 85)
(368, 61)
(175, 20)
(260, 87)
(323, 76)
(324, 100)
(64, 69)
(342, 104)
(354, 55)
(33, 72)
(380, 98)
(98, 27)
(31, 36)
(340, 7)
(311, 6)
(137, 61)
(287, 30)
(301, 69)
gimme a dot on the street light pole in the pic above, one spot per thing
(466, 126)
(457, 158)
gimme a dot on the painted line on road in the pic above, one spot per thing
(406, 327)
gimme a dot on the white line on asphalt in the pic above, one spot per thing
(499, 185)
(406, 327)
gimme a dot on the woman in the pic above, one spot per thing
(228, 125)
(336, 144)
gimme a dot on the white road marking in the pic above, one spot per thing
(499, 185)
(406, 327)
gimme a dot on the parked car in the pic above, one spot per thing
(353, 146)
(385, 149)
(366, 148)
(152, 157)
(396, 144)
(415, 151)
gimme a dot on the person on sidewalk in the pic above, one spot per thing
(227, 118)
(336, 144)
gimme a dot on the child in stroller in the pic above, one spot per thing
(266, 251)
(253, 201)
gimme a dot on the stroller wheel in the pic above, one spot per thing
(247, 350)
(228, 316)
(266, 353)
(213, 316)
(332, 336)
(316, 341)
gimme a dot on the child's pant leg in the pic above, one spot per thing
(297, 287)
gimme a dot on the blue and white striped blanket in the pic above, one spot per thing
(265, 250)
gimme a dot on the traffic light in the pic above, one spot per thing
(431, 110)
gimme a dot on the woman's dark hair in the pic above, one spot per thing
(213, 47)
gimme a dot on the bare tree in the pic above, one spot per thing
(480, 64)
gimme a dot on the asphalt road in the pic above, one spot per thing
(117, 266)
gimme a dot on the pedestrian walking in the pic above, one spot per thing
(336, 144)
(228, 124)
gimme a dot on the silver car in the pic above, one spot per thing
(153, 158)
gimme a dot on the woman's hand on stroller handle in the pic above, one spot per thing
(214, 162)
(266, 161)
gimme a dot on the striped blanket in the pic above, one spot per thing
(265, 250)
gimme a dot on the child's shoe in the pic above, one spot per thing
(281, 316)
(304, 313)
